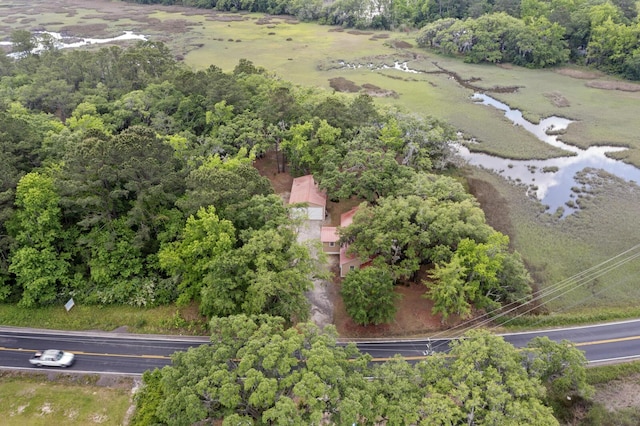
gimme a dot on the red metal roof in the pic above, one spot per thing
(305, 190)
(345, 257)
(329, 234)
(347, 217)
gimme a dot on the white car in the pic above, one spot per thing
(53, 358)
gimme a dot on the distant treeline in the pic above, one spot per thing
(534, 33)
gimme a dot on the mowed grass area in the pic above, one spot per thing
(34, 400)
(159, 320)
(309, 54)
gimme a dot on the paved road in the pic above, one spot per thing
(95, 352)
(133, 354)
(602, 343)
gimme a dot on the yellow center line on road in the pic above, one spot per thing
(384, 359)
(93, 354)
(601, 342)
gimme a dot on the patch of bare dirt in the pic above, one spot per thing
(413, 317)
(268, 167)
(619, 394)
(373, 90)
(580, 74)
(557, 99)
(613, 85)
(341, 84)
(400, 44)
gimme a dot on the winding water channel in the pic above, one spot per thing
(551, 180)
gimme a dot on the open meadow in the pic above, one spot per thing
(604, 111)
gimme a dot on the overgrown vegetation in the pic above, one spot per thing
(167, 319)
(35, 400)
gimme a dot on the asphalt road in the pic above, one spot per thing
(95, 352)
(133, 354)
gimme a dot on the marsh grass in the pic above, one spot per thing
(557, 250)
(34, 400)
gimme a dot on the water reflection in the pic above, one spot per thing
(61, 41)
(550, 180)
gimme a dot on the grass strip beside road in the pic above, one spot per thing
(158, 320)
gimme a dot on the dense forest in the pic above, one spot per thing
(129, 179)
(534, 33)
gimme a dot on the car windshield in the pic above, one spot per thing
(59, 356)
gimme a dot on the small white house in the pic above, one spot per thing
(304, 190)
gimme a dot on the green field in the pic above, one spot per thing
(309, 54)
(35, 400)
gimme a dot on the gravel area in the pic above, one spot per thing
(319, 297)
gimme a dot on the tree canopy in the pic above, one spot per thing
(258, 372)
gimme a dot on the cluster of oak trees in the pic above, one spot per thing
(256, 371)
(128, 179)
(533, 33)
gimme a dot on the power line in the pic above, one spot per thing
(564, 286)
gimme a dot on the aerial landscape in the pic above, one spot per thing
(275, 190)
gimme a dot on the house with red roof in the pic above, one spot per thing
(348, 262)
(305, 191)
(329, 238)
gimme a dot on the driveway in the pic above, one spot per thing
(321, 306)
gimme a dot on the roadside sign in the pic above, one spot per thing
(70, 304)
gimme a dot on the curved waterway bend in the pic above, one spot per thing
(61, 41)
(550, 180)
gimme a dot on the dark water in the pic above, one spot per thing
(550, 180)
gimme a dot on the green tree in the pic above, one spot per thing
(258, 372)
(225, 184)
(366, 173)
(489, 383)
(132, 174)
(480, 274)
(23, 42)
(369, 295)
(205, 236)
(40, 267)
(560, 366)
(449, 291)
(408, 231)
(269, 274)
